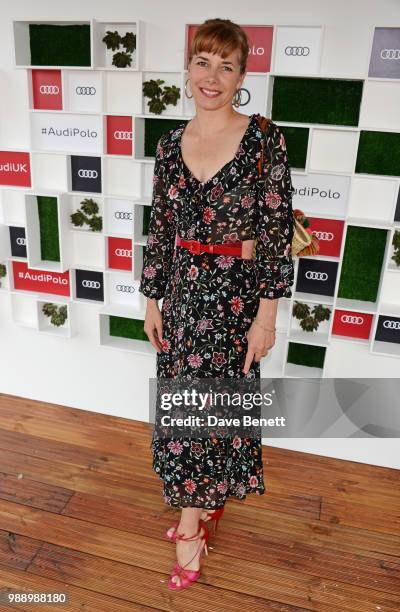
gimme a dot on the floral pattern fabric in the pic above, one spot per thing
(210, 300)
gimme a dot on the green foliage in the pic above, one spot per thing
(129, 41)
(58, 314)
(3, 270)
(112, 40)
(160, 97)
(309, 321)
(396, 244)
(122, 59)
(87, 214)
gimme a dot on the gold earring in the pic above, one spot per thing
(237, 98)
(186, 93)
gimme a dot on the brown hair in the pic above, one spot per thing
(220, 36)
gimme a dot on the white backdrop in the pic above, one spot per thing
(78, 372)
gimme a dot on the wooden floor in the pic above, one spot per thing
(81, 512)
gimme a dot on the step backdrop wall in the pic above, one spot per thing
(77, 142)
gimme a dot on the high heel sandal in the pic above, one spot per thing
(187, 577)
(214, 516)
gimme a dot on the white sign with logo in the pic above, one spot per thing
(66, 132)
(82, 91)
(297, 50)
(321, 194)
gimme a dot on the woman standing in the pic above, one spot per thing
(220, 294)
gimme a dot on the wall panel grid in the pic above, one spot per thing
(75, 207)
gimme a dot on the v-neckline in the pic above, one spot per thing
(228, 163)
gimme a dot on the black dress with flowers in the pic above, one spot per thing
(210, 300)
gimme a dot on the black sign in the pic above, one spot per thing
(86, 173)
(89, 285)
(317, 276)
(18, 241)
(388, 329)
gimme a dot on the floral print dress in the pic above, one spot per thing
(210, 300)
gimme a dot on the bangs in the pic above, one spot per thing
(218, 43)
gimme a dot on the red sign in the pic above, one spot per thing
(260, 41)
(329, 233)
(15, 168)
(352, 324)
(120, 253)
(41, 281)
(47, 89)
(119, 135)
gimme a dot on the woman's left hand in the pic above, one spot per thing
(259, 342)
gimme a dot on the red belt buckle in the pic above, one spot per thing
(194, 247)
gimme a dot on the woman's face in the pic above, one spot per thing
(214, 79)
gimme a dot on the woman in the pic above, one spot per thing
(219, 308)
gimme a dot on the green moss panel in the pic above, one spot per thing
(146, 219)
(363, 256)
(378, 153)
(306, 354)
(124, 327)
(296, 144)
(153, 130)
(59, 45)
(48, 223)
(313, 100)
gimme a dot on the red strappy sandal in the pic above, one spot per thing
(214, 516)
(187, 577)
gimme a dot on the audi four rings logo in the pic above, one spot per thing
(90, 284)
(123, 252)
(328, 236)
(303, 51)
(120, 214)
(125, 288)
(391, 324)
(390, 54)
(21, 241)
(118, 135)
(352, 319)
(85, 91)
(92, 174)
(316, 275)
(51, 90)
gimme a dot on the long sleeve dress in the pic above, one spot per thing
(210, 300)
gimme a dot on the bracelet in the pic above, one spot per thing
(263, 327)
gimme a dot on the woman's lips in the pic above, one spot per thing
(210, 93)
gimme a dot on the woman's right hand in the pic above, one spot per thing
(153, 324)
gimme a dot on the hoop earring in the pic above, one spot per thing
(237, 98)
(186, 93)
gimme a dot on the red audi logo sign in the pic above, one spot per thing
(46, 89)
(352, 324)
(15, 168)
(119, 135)
(120, 253)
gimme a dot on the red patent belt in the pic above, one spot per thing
(196, 247)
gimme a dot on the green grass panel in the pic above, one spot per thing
(306, 354)
(59, 45)
(48, 223)
(153, 130)
(311, 100)
(296, 144)
(124, 327)
(362, 263)
(379, 153)
(146, 219)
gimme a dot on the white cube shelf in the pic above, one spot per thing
(115, 342)
(67, 330)
(170, 79)
(49, 172)
(13, 207)
(121, 177)
(122, 292)
(88, 250)
(333, 150)
(122, 93)
(22, 53)
(5, 280)
(76, 200)
(372, 198)
(297, 50)
(103, 57)
(24, 309)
